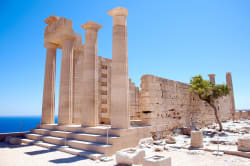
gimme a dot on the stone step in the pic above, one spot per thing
(83, 153)
(55, 133)
(61, 134)
(54, 140)
(79, 144)
(101, 130)
(33, 136)
(47, 126)
(91, 146)
(95, 138)
(41, 131)
(78, 136)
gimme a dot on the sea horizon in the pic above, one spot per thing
(9, 124)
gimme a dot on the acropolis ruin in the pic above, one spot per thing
(97, 98)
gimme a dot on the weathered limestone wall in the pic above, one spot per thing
(167, 104)
(134, 101)
(242, 114)
(104, 79)
(104, 70)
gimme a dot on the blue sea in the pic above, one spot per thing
(19, 123)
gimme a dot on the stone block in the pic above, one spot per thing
(130, 156)
(7, 139)
(244, 144)
(244, 115)
(196, 139)
(157, 161)
(14, 141)
(170, 140)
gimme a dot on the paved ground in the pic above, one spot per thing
(30, 155)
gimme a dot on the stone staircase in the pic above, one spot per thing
(91, 142)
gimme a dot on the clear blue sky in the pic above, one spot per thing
(175, 39)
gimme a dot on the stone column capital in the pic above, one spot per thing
(51, 19)
(91, 25)
(50, 45)
(211, 75)
(118, 11)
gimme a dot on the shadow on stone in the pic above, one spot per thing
(68, 160)
(40, 151)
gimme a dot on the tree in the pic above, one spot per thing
(209, 92)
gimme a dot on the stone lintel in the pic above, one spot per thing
(56, 31)
(58, 38)
(91, 25)
(51, 19)
(118, 11)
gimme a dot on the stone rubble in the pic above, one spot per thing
(211, 139)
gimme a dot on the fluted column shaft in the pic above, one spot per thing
(230, 85)
(66, 84)
(48, 107)
(90, 76)
(120, 117)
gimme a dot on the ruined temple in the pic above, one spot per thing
(100, 109)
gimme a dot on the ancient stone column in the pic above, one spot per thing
(119, 72)
(66, 83)
(230, 85)
(90, 76)
(212, 78)
(48, 108)
(77, 84)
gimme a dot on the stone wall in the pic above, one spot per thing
(167, 104)
(104, 66)
(134, 101)
(104, 86)
(242, 114)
